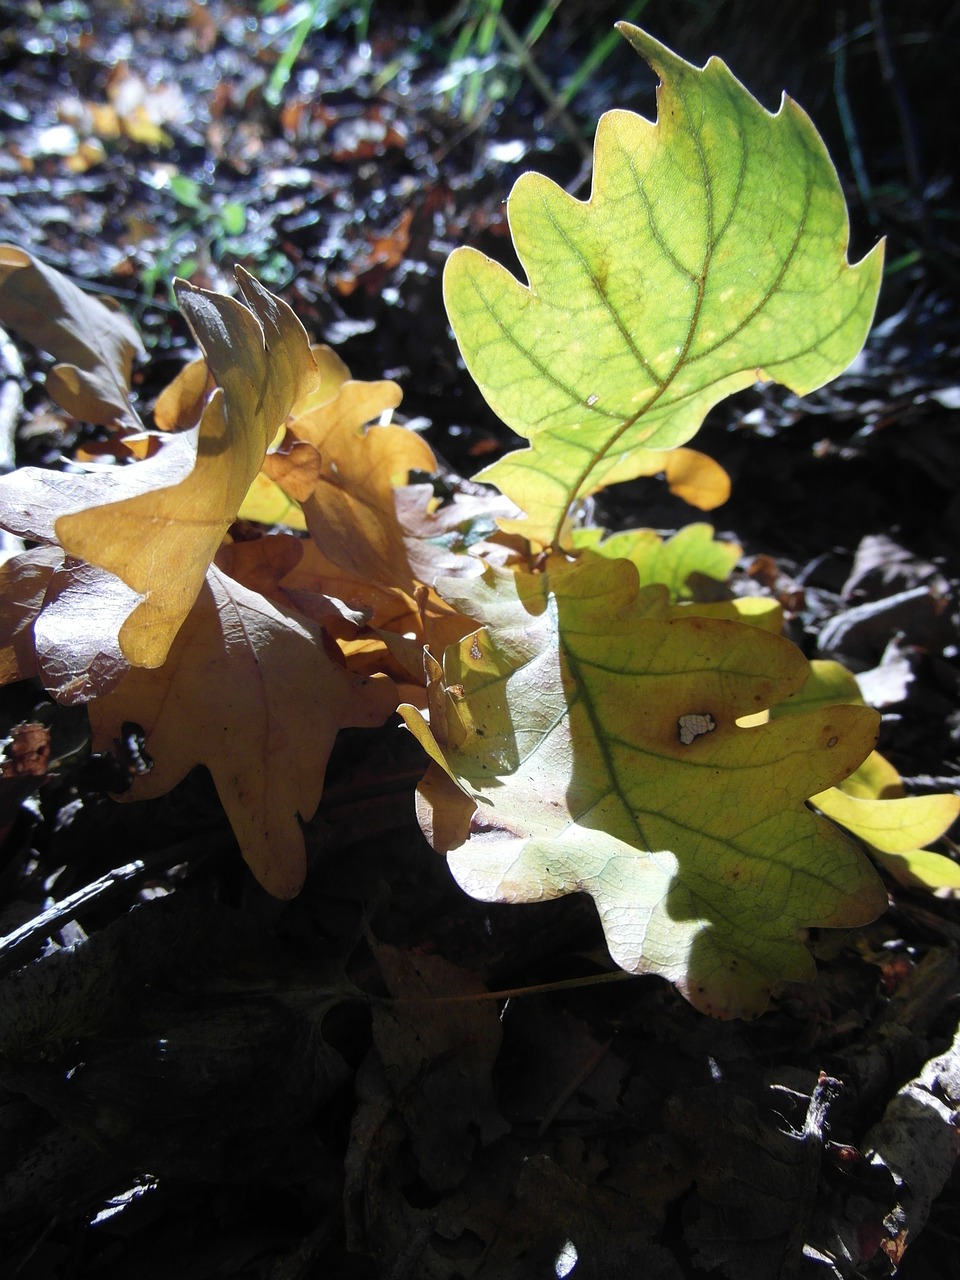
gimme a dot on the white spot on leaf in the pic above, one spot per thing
(693, 724)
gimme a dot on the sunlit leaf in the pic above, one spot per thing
(920, 869)
(711, 253)
(180, 404)
(892, 826)
(587, 741)
(870, 802)
(349, 509)
(157, 524)
(829, 684)
(267, 504)
(875, 779)
(403, 623)
(671, 561)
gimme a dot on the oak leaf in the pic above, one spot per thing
(58, 621)
(670, 561)
(267, 503)
(872, 803)
(681, 280)
(348, 505)
(587, 740)
(248, 690)
(895, 827)
(156, 525)
(180, 404)
(398, 624)
(95, 344)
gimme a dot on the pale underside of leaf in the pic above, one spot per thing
(566, 739)
(60, 618)
(60, 623)
(711, 254)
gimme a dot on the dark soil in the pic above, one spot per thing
(197, 1081)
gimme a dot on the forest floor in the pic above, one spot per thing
(199, 1081)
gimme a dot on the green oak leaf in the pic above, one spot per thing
(671, 561)
(586, 739)
(711, 254)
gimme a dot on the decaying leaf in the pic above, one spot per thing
(677, 283)
(588, 742)
(439, 1057)
(26, 753)
(94, 343)
(250, 692)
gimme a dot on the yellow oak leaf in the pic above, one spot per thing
(349, 509)
(156, 525)
(403, 623)
(250, 691)
(267, 503)
(180, 404)
(895, 827)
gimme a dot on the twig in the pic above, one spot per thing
(585, 1072)
(47, 922)
(98, 891)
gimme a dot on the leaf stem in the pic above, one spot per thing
(510, 993)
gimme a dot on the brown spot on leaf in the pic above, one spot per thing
(27, 751)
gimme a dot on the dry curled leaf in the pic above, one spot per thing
(156, 525)
(94, 344)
